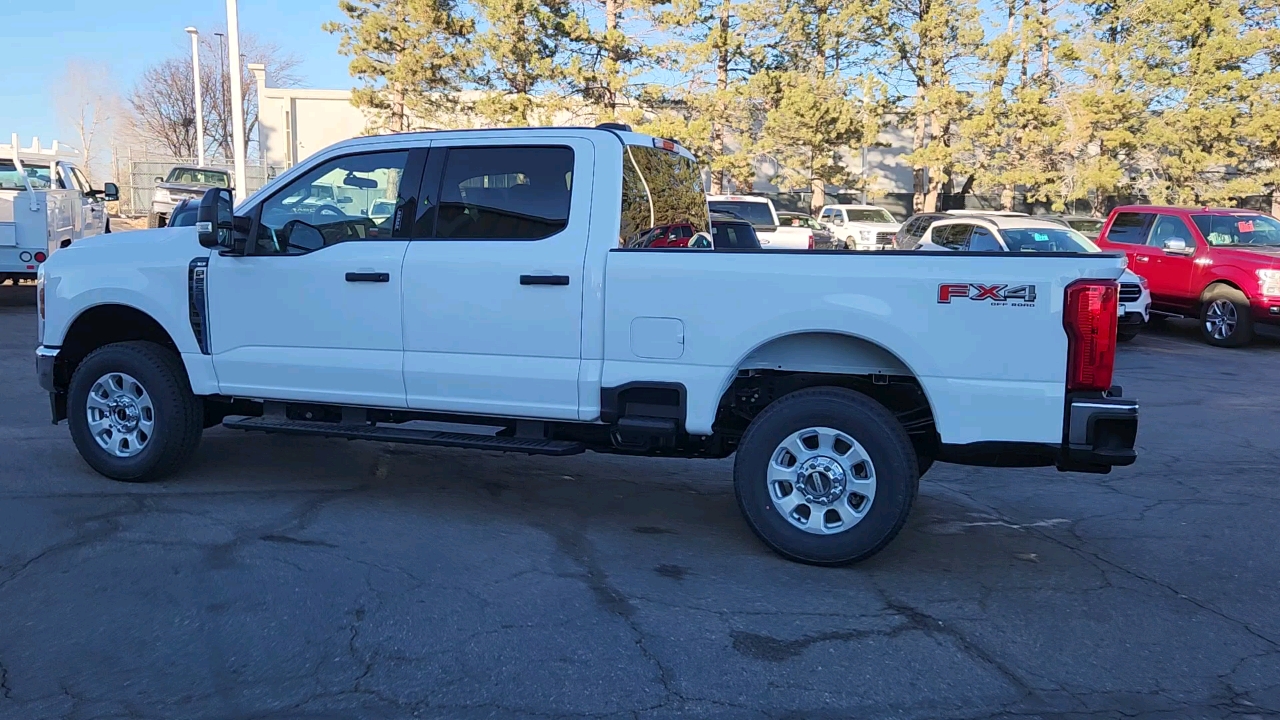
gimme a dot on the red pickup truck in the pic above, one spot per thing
(1219, 265)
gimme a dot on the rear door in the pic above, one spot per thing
(1128, 233)
(494, 286)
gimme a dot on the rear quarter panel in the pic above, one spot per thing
(991, 371)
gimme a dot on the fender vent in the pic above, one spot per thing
(197, 301)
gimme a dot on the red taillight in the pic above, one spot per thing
(40, 257)
(1090, 319)
(810, 241)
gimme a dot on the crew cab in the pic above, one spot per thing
(1020, 233)
(1221, 266)
(861, 227)
(46, 204)
(500, 294)
(759, 211)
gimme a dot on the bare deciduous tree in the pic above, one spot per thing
(87, 103)
(163, 102)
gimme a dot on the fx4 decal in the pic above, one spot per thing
(1017, 296)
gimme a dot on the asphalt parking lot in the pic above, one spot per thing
(281, 578)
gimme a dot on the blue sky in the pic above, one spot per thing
(39, 36)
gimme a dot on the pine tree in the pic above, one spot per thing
(934, 40)
(521, 43)
(407, 54)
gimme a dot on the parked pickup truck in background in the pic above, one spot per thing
(760, 213)
(45, 204)
(861, 227)
(1220, 266)
(182, 183)
(500, 293)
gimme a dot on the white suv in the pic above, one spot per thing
(1022, 233)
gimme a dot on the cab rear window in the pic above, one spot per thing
(659, 189)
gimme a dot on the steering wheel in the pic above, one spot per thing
(329, 211)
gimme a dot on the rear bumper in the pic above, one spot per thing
(1099, 433)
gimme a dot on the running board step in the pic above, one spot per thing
(390, 433)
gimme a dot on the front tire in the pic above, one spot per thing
(1225, 317)
(131, 412)
(826, 476)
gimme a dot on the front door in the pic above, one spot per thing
(311, 312)
(92, 207)
(1168, 271)
(493, 280)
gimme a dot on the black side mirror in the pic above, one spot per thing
(214, 221)
(110, 192)
(159, 179)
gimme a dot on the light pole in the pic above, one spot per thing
(237, 101)
(195, 72)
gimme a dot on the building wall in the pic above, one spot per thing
(296, 123)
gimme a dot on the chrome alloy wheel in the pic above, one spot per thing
(821, 480)
(121, 415)
(1220, 319)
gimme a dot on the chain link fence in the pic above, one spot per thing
(138, 183)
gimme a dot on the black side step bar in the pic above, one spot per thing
(390, 433)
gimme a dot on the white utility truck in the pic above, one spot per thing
(45, 204)
(497, 293)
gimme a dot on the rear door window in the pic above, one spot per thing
(505, 193)
(1130, 228)
(952, 236)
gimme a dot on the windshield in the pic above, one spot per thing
(659, 188)
(870, 216)
(195, 176)
(756, 213)
(1047, 240)
(11, 179)
(1089, 228)
(1238, 229)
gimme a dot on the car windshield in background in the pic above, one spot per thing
(1046, 240)
(870, 216)
(1238, 229)
(11, 179)
(659, 188)
(1089, 228)
(195, 176)
(756, 213)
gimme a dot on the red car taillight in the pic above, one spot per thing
(1090, 320)
(810, 241)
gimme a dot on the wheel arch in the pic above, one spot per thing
(104, 324)
(811, 358)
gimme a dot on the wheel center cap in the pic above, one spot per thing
(820, 479)
(124, 414)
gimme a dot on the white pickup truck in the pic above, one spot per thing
(759, 211)
(45, 204)
(498, 293)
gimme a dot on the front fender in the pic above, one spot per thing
(145, 270)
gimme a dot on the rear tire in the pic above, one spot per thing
(155, 220)
(145, 422)
(1226, 319)
(878, 468)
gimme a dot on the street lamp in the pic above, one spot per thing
(195, 71)
(237, 102)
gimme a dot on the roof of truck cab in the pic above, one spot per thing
(846, 206)
(625, 137)
(1003, 222)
